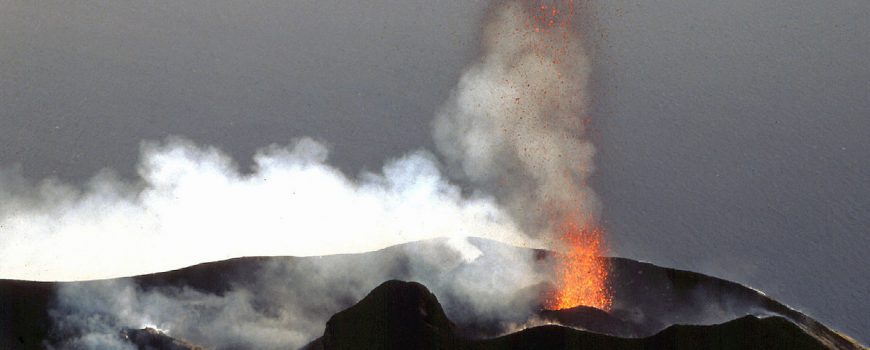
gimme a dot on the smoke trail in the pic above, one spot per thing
(514, 126)
(192, 204)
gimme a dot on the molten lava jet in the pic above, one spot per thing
(581, 271)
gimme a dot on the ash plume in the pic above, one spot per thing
(515, 124)
(513, 129)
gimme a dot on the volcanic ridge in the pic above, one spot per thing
(653, 308)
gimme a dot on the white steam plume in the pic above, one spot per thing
(514, 126)
(192, 204)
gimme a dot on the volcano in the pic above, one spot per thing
(404, 315)
(414, 295)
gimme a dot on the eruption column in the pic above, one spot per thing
(516, 127)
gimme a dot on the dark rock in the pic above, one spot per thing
(395, 315)
(405, 315)
(590, 318)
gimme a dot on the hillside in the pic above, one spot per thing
(481, 298)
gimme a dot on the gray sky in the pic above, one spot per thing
(731, 135)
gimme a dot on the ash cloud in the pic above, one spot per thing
(515, 124)
(513, 128)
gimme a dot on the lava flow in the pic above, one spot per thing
(581, 271)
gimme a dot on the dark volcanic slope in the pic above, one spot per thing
(647, 298)
(405, 315)
(395, 315)
(24, 321)
(748, 332)
(685, 297)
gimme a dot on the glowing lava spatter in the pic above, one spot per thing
(550, 20)
(581, 271)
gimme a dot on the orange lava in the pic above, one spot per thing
(581, 271)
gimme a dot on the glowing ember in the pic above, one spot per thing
(581, 271)
(553, 85)
(550, 21)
